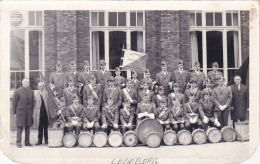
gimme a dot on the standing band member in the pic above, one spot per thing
(72, 73)
(57, 80)
(119, 80)
(175, 95)
(147, 78)
(163, 78)
(129, 94)
(102, 75)
(135, 81)
(178, 115)
(69, 91)
(127, 117)
(198, 75)
(181, 77)
(192, 90)
(159, 97)
(84, 76)
(214, 73)
(208, 87)
(145, 109)
(145, 91)
(163, 114)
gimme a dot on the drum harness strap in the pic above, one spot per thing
(92, 90)
(127, 95)
(162, 113)
(69, 92)
(178, 108)
(159, 97)
(110, 112)
(192, 113)
(73, 111)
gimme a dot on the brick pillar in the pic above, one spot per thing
(244, 16)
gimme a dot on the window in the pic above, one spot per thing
(117, 18)
(35, 18)
(195, 18)
(97, 19)
(136, 18)
(232, 18)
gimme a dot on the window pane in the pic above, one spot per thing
(112, 19)
(218, 19)
(228, 19)
(232, 49)
(31, 18)
(192, 19)
(133, 19)
(17, 56)
(94, 18)
(209, 19)
(16, 80)
(122, 19)
(137, 41)
(38, 18)
(98, 48)
(235, 19)
(196, 48)
(34, 79)
(199, 19)
(34, 50)
(101, 18)
(140, 19)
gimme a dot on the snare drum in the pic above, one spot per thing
(170, 137)
(184, 137)
(214, 135)
(153, 139)
(69, 140)
(228, 133)
(130, 138)
(85, 139)
(199, 136)
(100, 139)
(55, 137)
(115, 139)
(242, 128)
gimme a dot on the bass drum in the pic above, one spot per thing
(115, 139)
(85, 139)
(214, 135)
(170, 137)
(130, 139)
(69, 140)
(100, 139)
(228, 133)
(199, 136)
(184, 137)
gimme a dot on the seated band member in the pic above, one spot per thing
(145, 109)
(84, 76)
(164, 78)
(147, 78)
(145, 91)
(110, 117)
(119, 80)
(214, 73)
(175, 95)
(61, 115)
(198, 75)
(129, 94)
(127, 117)
(207, 88)
(72, 73)
(74, 115)
(192, 90)
(135, 81)
(207, 111)
(159, 97)
(91, 116)
(178, 116)
(102, 75)
(164, 114)
(69, 91)
(191, 109)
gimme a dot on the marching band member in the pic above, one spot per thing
(84, 76)
(61, 115)
(208, 86)
(135, 81)
(69, 91)
(110, 117)
(91, 116)
(181, 76)
(129, 94)
(207, 111)
(175, 94)
(145, 109)
(145, 90)
(214, 73)
(102, 75)
(119, 80)
(193, 90)
(74, 115)
(198, 75)
(147, 78)
(163, 78)
(92, 89)
(57, 80)
(222, 96)
(72, 73)
(159, 97)
(177, 115)
(127, 116)
(164, 114)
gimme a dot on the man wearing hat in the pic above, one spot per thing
(113, 92)
(145, 109)
(159, 97)
(127, 116)
(193, 90)
(198, 75)
(119, 80)
(57, 80)
(163, 78)
(102, 75)
(163, 114)
(92, 89)
(145, 91)
(84, 76)
(214, 73)
(149, 80)
(135, 81)
(181, 76)
(69, 91)
(178, 116)
(72, 73)
(129, 94)
(175, 95)
(61, 114)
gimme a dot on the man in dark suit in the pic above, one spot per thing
(240, 101)
(22, 104)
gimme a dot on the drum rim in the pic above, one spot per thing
(115, 132)
(184, 130)
(130, 132)
(149, 134)
(210, 129)
(135, 135)
(228, 127)
(198, 130)
(83, 133)
(73, 135)
(167, 131)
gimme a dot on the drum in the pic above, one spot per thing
(170, 137)
(150, 132)
(242, 129)
(199, 136)
(69, 140)
(85, 139)
(55, 137)
(184, 137)
(214, 135)
(115, 139)
(100, 139)
(228, 133)
(130, 138)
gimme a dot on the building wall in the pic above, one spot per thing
(244, 15)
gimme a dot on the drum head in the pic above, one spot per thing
(100, 139)
(153, 140)
(85, 139)
(184, 137)
(199, 136)
(214, 135)
(170, 137)
(115, 139)
(69, 140)
(147, 126)
(228, 133)
(130, 139)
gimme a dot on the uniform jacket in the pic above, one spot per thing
(190, 108)
(110, 115)
(58, 79)
(119, 81)
(163, 79)
(90, 114)
(204, 90)
(177, 113)
(102, 78)
(141, 94)
(181, 78)
(146, 107)
(222, 96)
(77, 109)
(73, 75)
(115, 93)
(37, 106)
(188, 92)
(199, 77)
(212, 75)
(157, 99)
(136, 84)
(150, 82)
(166, 115)
(178, 96)
(206, 108)
(68, 95)
(62, 117)
(88, 92)
(127, 117)
(84, 76)
(132, 93)
(22, 104)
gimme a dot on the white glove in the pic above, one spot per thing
(217, 123)
(129, 124)
(115, 125)
(151, 116)
(89, 125)
(205, 119)
(140, 115)
(192, 121)
(221, 107)
(59, 112)
(104, 126)
(161, 122)
(66, 124)
(125, 125)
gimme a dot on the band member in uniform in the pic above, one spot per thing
(145, 109)
(129, 94)
(193, 90)
(84, 76)
(119, 80)
(159, 97)
(177, 95)
(145, 90)
(208, 86)
(72, 73)
(207, 111)
(127, 116)
(110, 117)
(135, 81)
(57, 80)
(91, 116)
(111, 91)
(198, 75)
(149, 80)
(214, 73)
(163, 78)
(61, 115)
(102, 75)
(178, 115)
(74, 115)
(69, 91)
(222, 96)
(94, 90)
(181, 76)
(191, 109)
(163, 114)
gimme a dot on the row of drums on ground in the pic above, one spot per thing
(130, 138)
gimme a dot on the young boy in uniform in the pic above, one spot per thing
(72, 73)
(102, 75)
(61, 114)
(69, 91)
(127, 117)
(145, 109)
(163, 114)
(192, 90)
(163, 78)
(198, 75)
(135, 81)
(214, 73)
(145, 91)
(129, 94)
(175, 95)
(119, 80)
(159, 97)
(178, 116)
(84, 76)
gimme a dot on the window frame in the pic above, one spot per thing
(35, 19)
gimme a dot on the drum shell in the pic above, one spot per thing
(242, 128)
(228, 133)
(100, 139)
(199, 136)
(170, 137)
(184, 137)
(130, 138)
(111, 139)
(55, 136)
(72, 142)
(82, 137)
(214, 135)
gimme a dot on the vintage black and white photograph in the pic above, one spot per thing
(129, 85)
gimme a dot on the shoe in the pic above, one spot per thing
(28, 144)
(19, 145)
(38, 143)
(46, 142)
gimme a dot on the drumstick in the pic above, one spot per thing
(241, 138)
